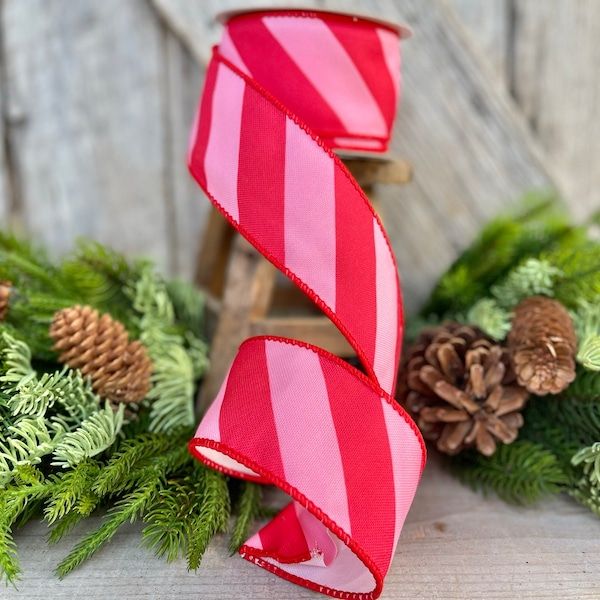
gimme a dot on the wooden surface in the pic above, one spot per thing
(454, 546)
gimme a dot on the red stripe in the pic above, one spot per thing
(267, 61)
(261, 172)
(364, 48)
(196, 157)
(249, 425)
(355, 265)
(283, 538)
(364, 446)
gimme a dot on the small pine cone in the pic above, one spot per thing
(5, 291)
(543, 344)
(460, 388)
(99, 346)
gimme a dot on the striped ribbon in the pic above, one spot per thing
(284, 88)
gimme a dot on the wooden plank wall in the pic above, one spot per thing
(97, 98)
(548, 56)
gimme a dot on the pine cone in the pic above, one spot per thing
(99, 346)
(543, 345)
(460, 388)
(5, 291)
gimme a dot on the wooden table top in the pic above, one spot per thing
(455, 545)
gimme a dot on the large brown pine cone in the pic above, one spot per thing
(543, 344)
(99, 346)
(460, 388)
(5, 290)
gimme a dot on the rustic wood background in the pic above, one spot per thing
(96, 98)
(500, 96)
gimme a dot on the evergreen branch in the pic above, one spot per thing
(585, 387)
(587, 489)
(93, 436)
(131, 507)
(173, 386)
(562, 425)
(580, 263)
(248, 509)
(70, 488)
(64, 525)
(149, 481)
(502, 244)
(587, 323)
(491, 318)
(29, 487)
(30, 440)
(167, 522)
(188, 305)
(520, 473)
(132, 453)
(530, 278)
(173, 376)
(212, 519)
(18, 371)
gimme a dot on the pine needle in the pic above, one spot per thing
(70, 487)
(212, 519)
(248, 509)
(129, 509)
(519, 473)
(93, 436)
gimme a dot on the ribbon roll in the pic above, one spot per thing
(283, 88)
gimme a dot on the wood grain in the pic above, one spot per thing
(4, 172)
(455, 545)
(85, 79)
(551, 56)
(490, 24)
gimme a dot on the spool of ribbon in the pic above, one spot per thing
(283, 89)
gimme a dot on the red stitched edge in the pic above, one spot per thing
(249, 553)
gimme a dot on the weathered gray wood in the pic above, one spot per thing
(185, 202)
(551, 56)
(85, 78)
(490, 22)
(455, 545)
(472, 154)
(4, 190)
(555, 80)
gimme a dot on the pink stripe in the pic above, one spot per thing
(307, 437)
(309, 213)
(325, 63)
(222, 152)
(390, 44)
(386, 337)
(230, 52)
(406, 463)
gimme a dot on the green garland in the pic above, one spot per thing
(536, 250)
(65, 453)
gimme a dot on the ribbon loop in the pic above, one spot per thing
(282, 89)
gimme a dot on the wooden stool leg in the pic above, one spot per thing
(247, 294)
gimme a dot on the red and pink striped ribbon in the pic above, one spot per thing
(283, 88)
